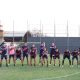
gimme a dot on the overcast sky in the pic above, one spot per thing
(45, 10)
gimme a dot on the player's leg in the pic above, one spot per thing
(77, 60)
(42, 61)
(72, 60)
(34, 61)
(59, 60)
(21, 58)
(31, 60)
(27, 59)
(39, 58)
(54, 58)
(69, 60)
(6, 60)
(63, 60)
(14, 59)
(1, 60)
(9, 58)
(47, 60)
(50, 59)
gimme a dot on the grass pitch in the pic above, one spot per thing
(39, 73)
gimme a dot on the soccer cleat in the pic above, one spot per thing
(6, 65)
(54, 64)
(22, 65)
(59, 65)
(62, 66)
(49, 64)
(34, 65)
(14, 64)
(0, 65)
(31, 64)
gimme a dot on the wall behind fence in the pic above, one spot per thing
(61, 42)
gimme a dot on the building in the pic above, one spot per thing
(16, 37)
(1, 34)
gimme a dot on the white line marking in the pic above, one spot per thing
(57, 77)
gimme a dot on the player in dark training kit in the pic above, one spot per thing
(33, 53)
(19, 55)
(52, 52)
(57, 55)
(75, 56)
(4, 55)
(79, 55)
(42, 46)
(66, 55)
(45, 56)
(25, 52)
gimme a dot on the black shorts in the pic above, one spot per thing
(32, 57)
(3, 56)
(18, 57)
(13, 56)
(66, 56)
(25, 55)
(52, 56)
(45, 56)
(57, 57)
(75, 57)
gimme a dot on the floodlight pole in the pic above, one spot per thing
(67, 36)
(54, 31)
(79, 31)
(40, 31)
(27, 30)
(13, 31)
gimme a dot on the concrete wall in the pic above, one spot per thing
(61, 42)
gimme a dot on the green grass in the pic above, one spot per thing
(39, 73)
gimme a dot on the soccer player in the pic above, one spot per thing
(19, 55)
(66, 55)
(4, 55)
(45, 56)
(11, 52)
(42, 46)
(52, 52)
(25, 51)
(33, 53)
(57, 55)
(75, 56)
(79, 55)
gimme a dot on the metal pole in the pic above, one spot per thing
(54, 31)
(67, 36)
(27, 30)
(40, 31)
(13, 31)
(79, 31)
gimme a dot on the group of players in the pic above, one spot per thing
(22, 52)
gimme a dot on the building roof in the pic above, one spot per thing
(15, 34)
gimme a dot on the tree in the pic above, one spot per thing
(27, 34)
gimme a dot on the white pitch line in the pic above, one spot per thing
(57, 77)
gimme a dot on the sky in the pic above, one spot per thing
(33, 13)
